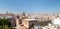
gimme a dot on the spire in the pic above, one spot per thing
(23, 13)
(7, 13)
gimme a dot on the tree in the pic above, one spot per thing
(44, 23)
(4, 23)
(4, 27)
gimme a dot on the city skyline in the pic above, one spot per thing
(30, 6)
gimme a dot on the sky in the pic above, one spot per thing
(30, 6)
